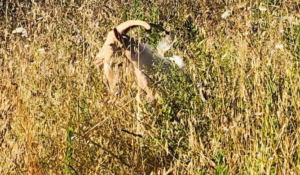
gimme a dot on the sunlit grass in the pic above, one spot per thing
(234, 109)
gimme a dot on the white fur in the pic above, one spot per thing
(140, 54)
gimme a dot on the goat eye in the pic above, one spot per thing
(111, 44)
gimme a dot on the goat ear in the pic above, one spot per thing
(117, 34)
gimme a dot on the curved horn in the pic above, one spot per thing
(159, 28)
(126, 26)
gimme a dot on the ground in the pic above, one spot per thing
(234, 109)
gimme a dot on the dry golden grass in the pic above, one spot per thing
(234, 110)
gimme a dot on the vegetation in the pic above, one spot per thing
(235, 109)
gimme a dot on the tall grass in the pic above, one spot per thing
(233, 110)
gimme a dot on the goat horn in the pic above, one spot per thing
(159, 28)
(126, 26)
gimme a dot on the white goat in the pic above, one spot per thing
(139, 54)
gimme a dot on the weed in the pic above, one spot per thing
(234, 109)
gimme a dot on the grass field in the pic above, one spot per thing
(235, 109)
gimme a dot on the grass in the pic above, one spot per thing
(233, 110)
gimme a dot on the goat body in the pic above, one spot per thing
(139, 54)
